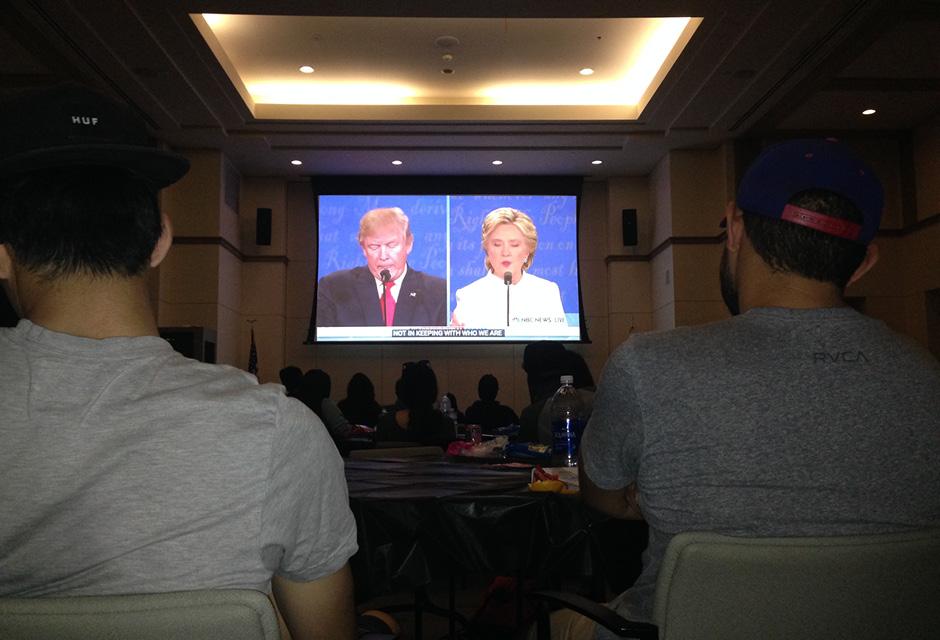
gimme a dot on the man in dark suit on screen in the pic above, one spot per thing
(385, 292)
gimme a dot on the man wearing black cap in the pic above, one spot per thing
(125, 467)
(798, 416)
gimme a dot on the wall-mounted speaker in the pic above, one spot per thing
(629, 227)
(263, 226)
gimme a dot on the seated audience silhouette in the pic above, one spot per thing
(314, 392)
(291, 378)
(418, 421)
(488, 412)
(542, 361)
(453, 405)
(359, 406)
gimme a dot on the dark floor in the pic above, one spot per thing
(495, 622)
(623, 542)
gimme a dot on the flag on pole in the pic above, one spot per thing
(253, 355)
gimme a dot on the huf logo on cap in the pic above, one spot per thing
(89, 120)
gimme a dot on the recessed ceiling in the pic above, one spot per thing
(309, 67)
(752, 71)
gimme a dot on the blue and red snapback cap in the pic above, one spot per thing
(788, 168)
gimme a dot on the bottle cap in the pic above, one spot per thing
(567, 379)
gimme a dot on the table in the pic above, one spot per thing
(419, 519)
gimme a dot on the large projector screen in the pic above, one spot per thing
(446, 267)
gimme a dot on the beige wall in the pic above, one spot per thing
(909, 263)
(218, 277)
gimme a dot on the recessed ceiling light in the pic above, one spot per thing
(396, 162)
(296, 163)
(586, 71)
(497, 162)
(306, 69)
(597, 162)
(869, 112)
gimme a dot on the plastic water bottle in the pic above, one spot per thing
(567, 412)
(447, 409)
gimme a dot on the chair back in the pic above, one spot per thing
(222, 614)
(852, 587)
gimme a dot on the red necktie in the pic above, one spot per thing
(389, 303)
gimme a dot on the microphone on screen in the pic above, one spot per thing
(507, 280)
(386, 276)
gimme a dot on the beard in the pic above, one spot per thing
(729, 292)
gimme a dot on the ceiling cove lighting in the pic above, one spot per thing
(869, 112)
(296, 163)
(306, 69)
(627, 81)
(214, 20)
(658, 40)
(302, 92)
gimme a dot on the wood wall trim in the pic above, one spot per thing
(665, 244)
(228, 246)
(718, 239)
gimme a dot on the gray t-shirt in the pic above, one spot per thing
(779, 422)
(127, 468)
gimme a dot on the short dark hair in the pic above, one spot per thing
(488, 387)
(291, 377)
(418, 389)
(793, 248)
(100, 221)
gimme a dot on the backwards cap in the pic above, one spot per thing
(785, 169)
(70, 125)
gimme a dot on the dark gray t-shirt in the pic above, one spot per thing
(127, 468)
(777, 422)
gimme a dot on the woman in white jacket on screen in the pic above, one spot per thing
(509, 243)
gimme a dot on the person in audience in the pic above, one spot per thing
(291, 377)
(487, 411)
(543, 363)
(418, 421)
(315, 388)
(509, 241)
(386, 291)
(796, 417)
(126, 467)
(453, 405)
(359, 406)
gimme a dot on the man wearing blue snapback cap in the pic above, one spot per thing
(125, 467)
(796, 417)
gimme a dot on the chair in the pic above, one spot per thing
(852, 587)
(223, 614)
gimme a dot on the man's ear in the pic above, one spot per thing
(6, 263)
(164, 242)
(871, 257)
(734, 227)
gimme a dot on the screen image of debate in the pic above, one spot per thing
(446, 268)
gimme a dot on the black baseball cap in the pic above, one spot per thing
(784, 170)
(70, 125)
